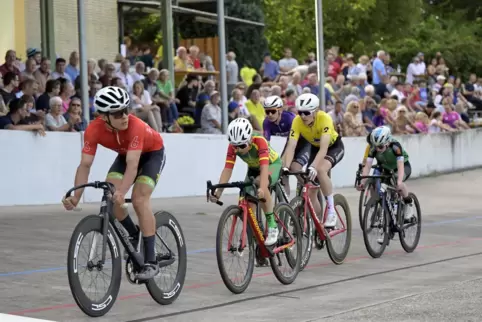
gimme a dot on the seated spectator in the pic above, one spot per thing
(398, 92)
(290, 99)
(125, 76)
(30, 68)
(52, 88)
(18, 111)
(42, 74)
(351, 126)
(10, 83)
(233, 111)
(109, 74)
(238, 98)
(10, 64)
(138, 74)
(422, 122)
(28, 87)
(93, 89)
(166, 93)
(72, 69)
(75, 112)
(437, 125)
(370, 92)
(452, 118)
(144, 108)
(60, 70)
(402, 124)
(460, 108)
(211, 116)
(187, 95)
(276, 90)
(66, 92)
(55, 121)
(369, 112)
(256, 110)
(33, 116)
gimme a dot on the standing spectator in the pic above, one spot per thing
(144, 108)
(269, 68)
(125, 75)
(10, 61)
(75, 113)
(18, 111)
(211, 116)
(55, 121)
(60, 70)
(10, 83)
(379, 73)
(42, 74)
(43, 101)
(288, 62)
(30, 68)
(364, 64)
(337, 116)
(415, 70)
(72, 68)
(333, 67)
(247, 73)
(256, 110)
(232, 70)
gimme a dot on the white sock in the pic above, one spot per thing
(331, 203)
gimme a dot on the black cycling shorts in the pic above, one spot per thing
(334, 154)
(151, 165)
(302, 151)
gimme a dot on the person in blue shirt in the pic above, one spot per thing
(269, 68)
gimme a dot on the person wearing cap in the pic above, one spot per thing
(233, 111)
(211, 115)
(36, 54)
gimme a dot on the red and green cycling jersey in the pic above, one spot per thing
(260, 153)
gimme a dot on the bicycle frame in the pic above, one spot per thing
(318, 225)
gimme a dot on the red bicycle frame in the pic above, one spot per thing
(319, 225)
(250, 217)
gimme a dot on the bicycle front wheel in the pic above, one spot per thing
(413, 227)
(287, 272)
(375, 220)
(339, 239)
(166, 287)
(231, 254)
(85, 261)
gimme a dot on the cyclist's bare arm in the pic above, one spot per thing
(289, 152)
(324, 143)
(225, 176)
(82, 174)
(132, 164)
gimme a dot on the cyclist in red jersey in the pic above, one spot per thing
(140, 160)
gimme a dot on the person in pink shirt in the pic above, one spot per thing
(422, 122)
(452, 118)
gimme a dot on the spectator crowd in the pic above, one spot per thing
(360, 93)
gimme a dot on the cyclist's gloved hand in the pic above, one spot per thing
(360, 187)
(213, 198)
(312, 173)
(70, 203)
(285, 170)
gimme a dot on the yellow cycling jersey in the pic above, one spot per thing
(367, 150)
(323, 124)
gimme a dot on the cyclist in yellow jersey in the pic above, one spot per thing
(327, 148)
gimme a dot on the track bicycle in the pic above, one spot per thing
(285, 254)
(365, 194)
(313, 226)
(105, 231)
(389, 215)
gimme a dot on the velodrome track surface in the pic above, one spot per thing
(440, 281)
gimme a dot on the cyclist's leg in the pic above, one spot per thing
(274, 175)
(115, 176)
(302, 155)
(407, 169)
(334, 155)
(313, 193)
(151, 167)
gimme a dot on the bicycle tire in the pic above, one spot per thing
(374, 201)
(401, 234)
(236, 289)
(286, 280)
(362, 202)
(339, 258)
(166, 297)
(298, 205)
(93, 223)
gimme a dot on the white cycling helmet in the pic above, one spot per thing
(307, 102)
(240, 131)
(381, 135)
(273, 102)
(111, 99)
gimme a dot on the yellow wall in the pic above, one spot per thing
(12, 24)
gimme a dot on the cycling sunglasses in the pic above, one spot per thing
(271, 111)
(304, 113)
(119, 114)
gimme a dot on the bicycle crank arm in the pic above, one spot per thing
(166, 262)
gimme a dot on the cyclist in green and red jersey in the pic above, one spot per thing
(263, 163)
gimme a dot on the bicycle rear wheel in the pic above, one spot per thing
(90, 304)
(416, 223)
(168, 229)
(291, 254)
(307, 229)
(229, 232)
(343, 226)
(377, 222)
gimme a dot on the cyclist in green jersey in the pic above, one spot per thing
(390, 155)
(263, 163)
